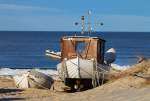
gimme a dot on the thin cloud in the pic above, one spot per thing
(15, 7)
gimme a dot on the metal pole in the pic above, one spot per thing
(83, 27)
(89, 22)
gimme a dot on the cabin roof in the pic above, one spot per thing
(85, 37)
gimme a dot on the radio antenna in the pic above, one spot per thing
(89, 21)
(83, 24)
(89, 24)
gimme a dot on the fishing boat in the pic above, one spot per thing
(82, 61)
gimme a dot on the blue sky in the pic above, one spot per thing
(60, 15)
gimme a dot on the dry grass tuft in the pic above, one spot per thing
(142, 68)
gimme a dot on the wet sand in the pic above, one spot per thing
(124, 88)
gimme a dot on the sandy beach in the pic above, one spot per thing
(123, 86)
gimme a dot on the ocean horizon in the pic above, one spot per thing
(26, 49)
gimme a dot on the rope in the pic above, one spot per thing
(98, 74)
(103, 72)
(80, 68)
(98, 78)
(103, 77)
(94, 79)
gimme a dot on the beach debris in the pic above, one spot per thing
(33, 79)
(141, 59)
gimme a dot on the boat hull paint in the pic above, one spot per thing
(33, 79)
(78, 68)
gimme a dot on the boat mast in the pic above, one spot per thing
(89, 22)
(83, 24)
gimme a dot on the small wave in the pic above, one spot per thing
(120, 67)
(51, 72)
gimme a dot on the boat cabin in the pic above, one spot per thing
(84, 47)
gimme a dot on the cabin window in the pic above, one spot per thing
(81, 47)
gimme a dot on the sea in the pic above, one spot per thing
(25, 50)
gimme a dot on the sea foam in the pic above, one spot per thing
(51, 72)
(12, 72)
(120, 67)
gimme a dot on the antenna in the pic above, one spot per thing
(89, 24)
(83, 26)
(89, 21)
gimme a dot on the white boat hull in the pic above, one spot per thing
(53, 55)
(78, 68)
(33, 79)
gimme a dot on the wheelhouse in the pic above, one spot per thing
(83, 47)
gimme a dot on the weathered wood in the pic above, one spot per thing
(94, 48)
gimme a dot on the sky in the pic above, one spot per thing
(60, 15)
